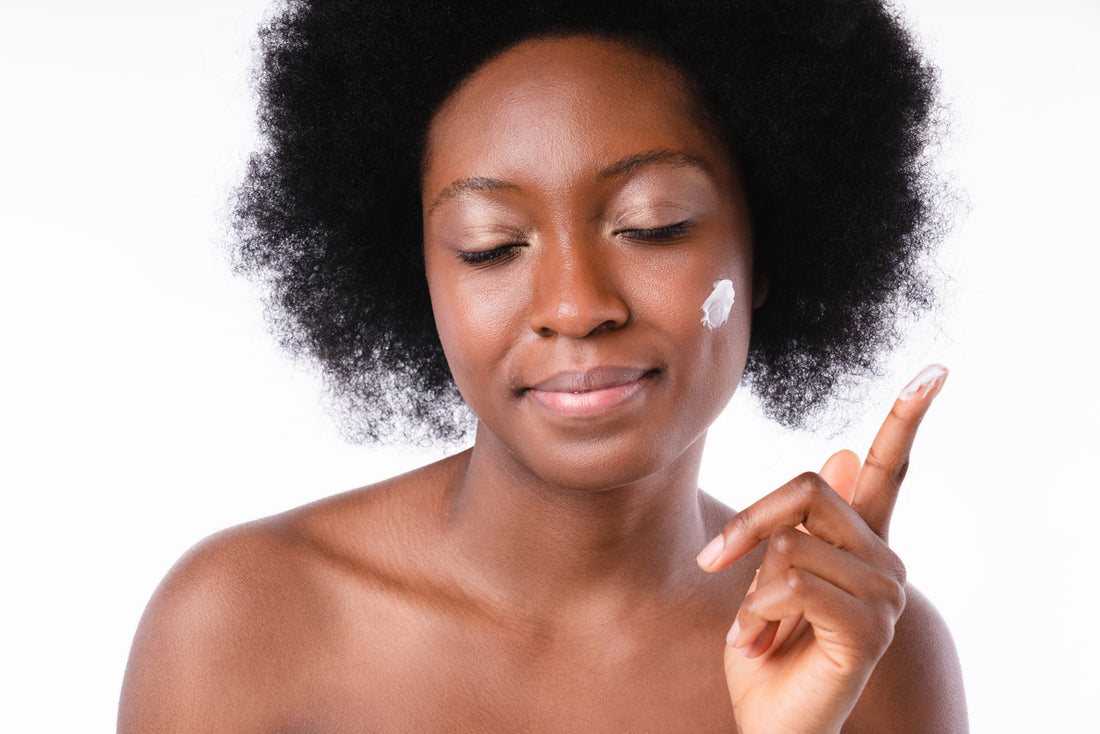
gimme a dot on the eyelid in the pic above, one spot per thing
(490, 256)
(501, 253)
(664, 232)
(489, 243)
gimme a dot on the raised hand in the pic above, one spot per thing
(822, 608)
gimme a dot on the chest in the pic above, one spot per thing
(447, 678)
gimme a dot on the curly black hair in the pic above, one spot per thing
(828, 106)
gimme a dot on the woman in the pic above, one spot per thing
(606, 206)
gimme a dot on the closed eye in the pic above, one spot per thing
(486, 257)
(657, 234)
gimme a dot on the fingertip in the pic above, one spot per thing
(841, 471)
(733, 634)
(710, 554)
(846, 455)
(926, 385)
(763, 641)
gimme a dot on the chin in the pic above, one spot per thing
(604, 464)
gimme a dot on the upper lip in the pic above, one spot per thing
(597, 378)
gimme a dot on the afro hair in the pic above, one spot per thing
(828, 106)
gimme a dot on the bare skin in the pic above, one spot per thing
(546, 580)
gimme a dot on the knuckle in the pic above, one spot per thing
(802, 486)
(811, 483)
(875, 461)
(741, 523)
(890, 594)
(795, 579)
(877, 631)
(902, 470)
(783, 541)
(898, 599)
(750, 607)
(810, 488)
(894, 471)
(897, 568)
(892, 600)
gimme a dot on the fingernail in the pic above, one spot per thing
(731, 637)
(925, 385)
(709, 555)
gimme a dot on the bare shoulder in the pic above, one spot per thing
(237, 634)
(917, 686)
(200, 643)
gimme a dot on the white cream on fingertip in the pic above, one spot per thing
(927, 384)
(716, 309)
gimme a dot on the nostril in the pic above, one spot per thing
(578, 318)
(575, 294)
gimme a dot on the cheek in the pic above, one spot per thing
(474, 326)
(720, 314)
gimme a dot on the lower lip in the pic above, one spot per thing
(591, 402)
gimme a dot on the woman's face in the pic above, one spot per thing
(577, 214)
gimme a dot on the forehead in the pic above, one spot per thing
(549, 103)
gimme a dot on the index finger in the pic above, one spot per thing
(884, 469)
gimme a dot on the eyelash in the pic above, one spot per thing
(658, 234)
(486, 257)
(499, 254)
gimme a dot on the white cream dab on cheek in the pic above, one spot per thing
(716, 309)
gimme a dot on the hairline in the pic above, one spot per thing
(708, 118)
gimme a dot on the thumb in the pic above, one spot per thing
(841, 471)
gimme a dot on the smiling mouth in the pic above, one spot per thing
(592, 392)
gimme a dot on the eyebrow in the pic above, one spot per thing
(622, 167)
(630, 164)
(467, 185)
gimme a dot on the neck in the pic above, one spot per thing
(543, 548)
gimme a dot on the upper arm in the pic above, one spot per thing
(917, 685)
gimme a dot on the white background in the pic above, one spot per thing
(144, 406)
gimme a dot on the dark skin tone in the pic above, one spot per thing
(576, 216)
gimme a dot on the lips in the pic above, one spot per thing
(590, 392)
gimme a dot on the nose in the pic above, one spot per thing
(575, 292)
